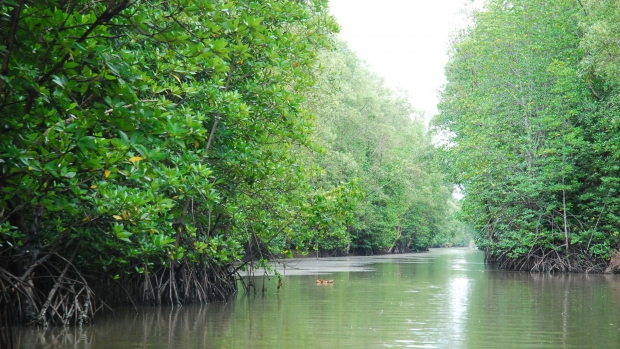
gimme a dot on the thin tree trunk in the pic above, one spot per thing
(400, 231)
(564, 214)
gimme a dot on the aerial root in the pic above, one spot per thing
(47, 295)
(548, 260)
(178, 284)
(54, 292)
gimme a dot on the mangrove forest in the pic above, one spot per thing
(531, 116)
(150, 151)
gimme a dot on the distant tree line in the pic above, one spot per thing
(373, 140)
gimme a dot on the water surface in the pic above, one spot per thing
(446, 298)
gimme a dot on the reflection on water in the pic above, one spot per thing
(442, 299)
(458, 294)
(163, 327)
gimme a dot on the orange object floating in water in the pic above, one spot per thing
(324, 282)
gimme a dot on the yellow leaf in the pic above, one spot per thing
(119, 218)
(107, 173)
(135, 158)
(176, 77)
(86, 218)
(93, 186)
(195, 143)
(124, 215)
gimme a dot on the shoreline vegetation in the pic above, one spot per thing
(150, 151)
(531, 102)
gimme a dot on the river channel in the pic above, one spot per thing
(445, 298)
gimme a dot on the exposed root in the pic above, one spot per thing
(549, 260)
(44, 295)
(614, 264)
(6, 334)
(52, 291)
(176, 284)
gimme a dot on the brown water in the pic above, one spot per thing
(446, 298)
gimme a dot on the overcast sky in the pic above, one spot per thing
(403, 41)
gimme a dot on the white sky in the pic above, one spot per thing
(403, 41)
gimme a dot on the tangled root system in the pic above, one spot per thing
(549, 260)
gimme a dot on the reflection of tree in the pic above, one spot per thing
(613, 282)
(572, 310)
(53, 338)
(179, 327)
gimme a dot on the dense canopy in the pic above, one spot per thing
(531, 102)
(150, 150)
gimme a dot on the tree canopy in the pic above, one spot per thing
(139, 134)
(150, 150)
(530, 101)
(373, 135)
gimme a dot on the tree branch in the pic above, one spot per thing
(5, 64)
(584, 9)
(217, 117)
(598, 98)
(113, 9)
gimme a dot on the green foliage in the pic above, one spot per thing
(371, 134)
(139, 139)
(530, 103)
(154, 132)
